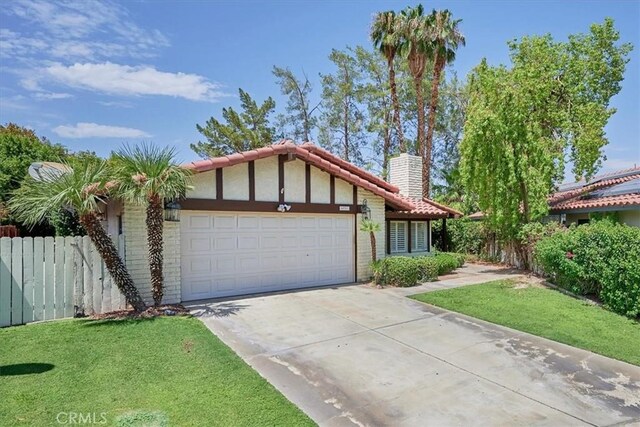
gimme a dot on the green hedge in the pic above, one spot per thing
(601, 259)
(409, 271)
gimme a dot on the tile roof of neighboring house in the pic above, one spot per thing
(336, 166)
(600, 202)
(601, 191)
(596, 183)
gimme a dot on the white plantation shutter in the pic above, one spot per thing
(419, 236)
(398, 236)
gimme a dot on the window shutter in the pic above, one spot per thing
(398, 236)
(418, 236)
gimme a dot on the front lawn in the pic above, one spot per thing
(546, 313)
(174, 367)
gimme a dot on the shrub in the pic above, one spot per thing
(396, 271)
(600, 258)
(447, 261)
(428, 266)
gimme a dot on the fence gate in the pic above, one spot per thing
(44, 278)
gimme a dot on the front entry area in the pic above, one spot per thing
(237, 253)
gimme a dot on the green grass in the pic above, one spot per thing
(546, 313)
(172, 368)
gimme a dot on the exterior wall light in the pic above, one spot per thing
(365, 210)
(172, 211)
(284, 208)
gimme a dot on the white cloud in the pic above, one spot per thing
(118, 104)
(78, 29)
(118, 79)
(52, 95)
(93, 130)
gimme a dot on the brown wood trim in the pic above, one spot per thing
(332, 189)
(307, 182)
(428, 235)
(355, 195)
(355, 247)
(414, 217)
(388, 232)
(409, 236)
(219, 182)
(444, 235)
(281, 160)
(254, 206)
(252, 180)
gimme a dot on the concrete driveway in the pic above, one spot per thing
(356, 355)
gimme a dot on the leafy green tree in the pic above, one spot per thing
(82, 189)
(387, 40)
(300, 114)
(444, 39)
(523, 122)
(342, 121)
(376, 97)
(243, 131)
(19, 147)
(148, 175)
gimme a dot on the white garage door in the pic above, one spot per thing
(225, 253)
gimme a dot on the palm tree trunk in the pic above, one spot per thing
(373, 246)
(155, 223)
(396, 106)
(386, 146)
(112, 260)
(433, 105)
(422, 147)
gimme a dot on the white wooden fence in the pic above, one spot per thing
(54, 277)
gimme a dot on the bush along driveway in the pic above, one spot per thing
(357, 354)
(171, 371)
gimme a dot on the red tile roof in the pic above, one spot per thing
(336, 166)
(573, 199)
(600, 202)
(349, 166)
(287, 147)
(587, 188)
(427, 207)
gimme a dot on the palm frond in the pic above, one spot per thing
(144, 171)
(81, 189)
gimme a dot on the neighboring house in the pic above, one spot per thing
(615, 192)
(280, 217)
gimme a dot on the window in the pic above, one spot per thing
(419, 236)
(397, 237)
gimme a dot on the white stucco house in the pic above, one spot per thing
(280, 217)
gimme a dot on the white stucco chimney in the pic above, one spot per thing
(405, 172)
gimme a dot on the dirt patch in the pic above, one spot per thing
(163, 310)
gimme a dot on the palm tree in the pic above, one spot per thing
(445, 37)
(386, 38)
(148, 175)
(371, 227)
(81, 189)
(415, 48)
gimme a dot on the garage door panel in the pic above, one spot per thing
(248, 242)
(225, 242)
(248, 223)
(199, 222)
(225, 254)
(224, 222)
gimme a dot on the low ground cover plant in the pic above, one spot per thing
(600, 259)
(405, 271)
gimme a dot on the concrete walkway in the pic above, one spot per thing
(356, 355)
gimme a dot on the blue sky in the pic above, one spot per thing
(95, 75)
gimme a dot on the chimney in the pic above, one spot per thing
(405, 172)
